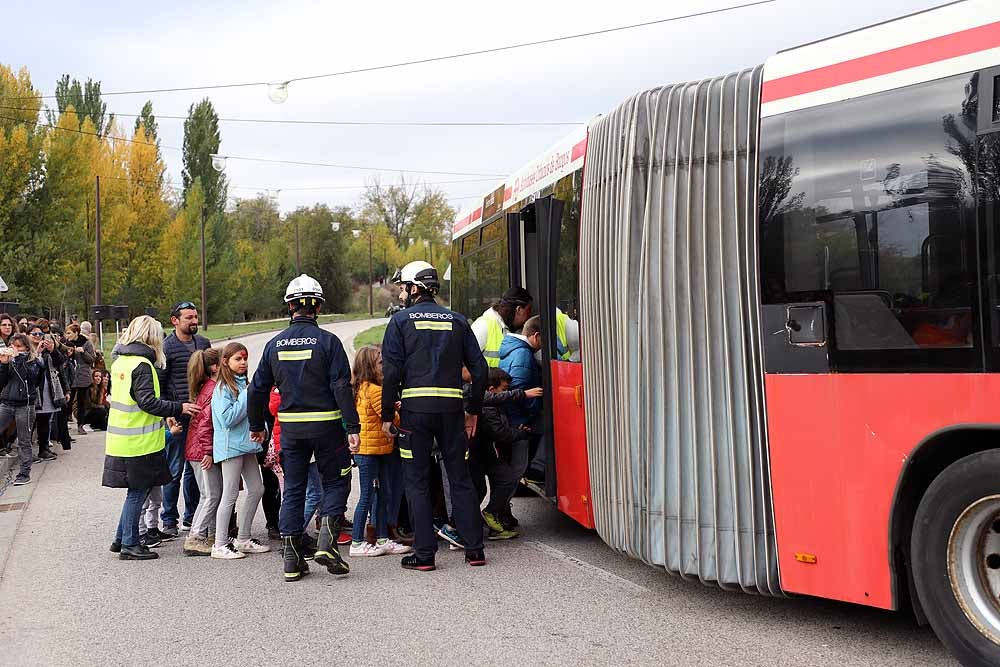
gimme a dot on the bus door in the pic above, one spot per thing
(567, 478)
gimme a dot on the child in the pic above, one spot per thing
(511, 448)
(237, 454)
(198, 449)
(517, 357)
(372, 457)
(20, 377)
(149, 518)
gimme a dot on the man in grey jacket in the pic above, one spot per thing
(178, 348)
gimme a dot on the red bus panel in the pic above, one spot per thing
(838, 444)
(572, 471)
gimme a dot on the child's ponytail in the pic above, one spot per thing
(200, 370)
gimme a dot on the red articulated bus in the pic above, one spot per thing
(781, 367)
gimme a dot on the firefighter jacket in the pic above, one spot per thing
(309, 367)
(424, 349)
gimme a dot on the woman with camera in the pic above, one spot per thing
(53, 395)
(20, 372)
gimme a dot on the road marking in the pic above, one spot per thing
(592, 570)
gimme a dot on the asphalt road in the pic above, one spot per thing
(557, 595)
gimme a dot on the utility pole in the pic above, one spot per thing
(371, 295)
(204, 290)
(298, 262)
(97, 247)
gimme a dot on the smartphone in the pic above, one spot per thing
(393, 430)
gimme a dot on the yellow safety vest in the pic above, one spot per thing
(561, 320)
(494, 337)
(132, 432)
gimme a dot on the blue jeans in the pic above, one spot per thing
(128, 524)
(333, 460)
(372, 470)
(314, 494)
(179, 468)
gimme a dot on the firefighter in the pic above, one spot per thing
(310, 368)
(423, 352)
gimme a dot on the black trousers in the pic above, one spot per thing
(271, 501)
(417, 433)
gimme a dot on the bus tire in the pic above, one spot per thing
(955, 555)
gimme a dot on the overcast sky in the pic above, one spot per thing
(129, 45)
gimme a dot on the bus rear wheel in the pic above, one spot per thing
(955, 551)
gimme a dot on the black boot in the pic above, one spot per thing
(308, 546)
(137, 552)
(327, 554)
(295, 565)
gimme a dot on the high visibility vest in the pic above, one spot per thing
(494, 337)
(131, 432)
(563, 348)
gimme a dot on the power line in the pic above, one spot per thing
(453, 56)
(258, 159)
(349, 123)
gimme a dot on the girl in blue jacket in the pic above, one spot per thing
(236, 455)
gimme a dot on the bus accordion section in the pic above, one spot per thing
(676, 425)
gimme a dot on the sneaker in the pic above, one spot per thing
(169, 532)
(501, 534)
(160, 535)
(251, 546)
(395, 548)
(197, 546)
(455, 547)
(493, 522)
(416, 563)
(449, 534)
(148, 541)
(116, 547)
(185, 525)
(21, 480)
(87, 428)
(536, 477)
(364, 549)
(475, 558)
(138, 552)
(45, 455)
(227, 552)
(344, 538)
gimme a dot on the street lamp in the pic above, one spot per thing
(277, 91)
(218, 162)
(371, 294)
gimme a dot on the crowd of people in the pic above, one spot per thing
(49, 376)
(184, 420)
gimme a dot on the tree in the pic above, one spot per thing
(201, 140)
(390, 205)
(85, 102)
(180, 253)
(147, 122)
(323, 251)
(21, 177)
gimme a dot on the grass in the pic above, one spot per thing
(371, 336)
(219, 332)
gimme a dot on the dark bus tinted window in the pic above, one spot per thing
(480, 276)
(868, 204)
(568, 189)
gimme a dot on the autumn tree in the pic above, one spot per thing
(21, 177)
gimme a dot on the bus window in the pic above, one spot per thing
(568, 189)
(866, 204)
(988, 179)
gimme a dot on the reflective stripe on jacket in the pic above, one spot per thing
(131, 431)
(494, 335)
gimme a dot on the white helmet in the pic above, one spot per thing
(304, 289)
(421, 274)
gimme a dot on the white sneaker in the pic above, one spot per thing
(395, 548)
(251, 546)
(365, 549)
(227, 552)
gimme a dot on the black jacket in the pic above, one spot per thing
(424, 349)
(309, 367)
(174, 375)
(20, 379)
(141, 472)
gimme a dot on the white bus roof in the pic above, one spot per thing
(563, 158)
